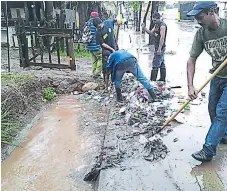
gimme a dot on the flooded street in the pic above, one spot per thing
(61, 148)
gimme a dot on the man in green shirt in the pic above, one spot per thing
(212, 37)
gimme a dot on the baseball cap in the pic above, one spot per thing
(94, 14)
(200, 6)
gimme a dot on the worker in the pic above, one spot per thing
(120, 62)
(95, 50)
(160, 31)
(212, 36)
(106, 38)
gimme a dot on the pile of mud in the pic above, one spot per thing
(134, 126)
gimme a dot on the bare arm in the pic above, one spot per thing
(107, 47)
(191, 70)
(192, 92)
(148, 31)
(162, 38)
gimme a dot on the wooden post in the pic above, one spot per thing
(67, 45)
(61, 25)
(71, 54)
(22, 41)
(35, 20)
(48, 45)
(32, 44)
(58, 50)
(40, 43)
(7, 33)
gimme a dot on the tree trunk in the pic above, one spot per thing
(154, 9)
(145, 15)
(82, 9)
(140, 13)
(49, 12)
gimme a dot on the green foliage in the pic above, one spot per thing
(48, 94)
(135, 5)
(80, 50)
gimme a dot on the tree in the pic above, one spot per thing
(135, 5)
(154, 9)
(82, 9)
(145, 15)
(140, 12)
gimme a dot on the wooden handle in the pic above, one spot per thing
(199, 90)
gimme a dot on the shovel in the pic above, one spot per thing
(199, 90)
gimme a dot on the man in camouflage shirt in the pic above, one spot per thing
(212, 37)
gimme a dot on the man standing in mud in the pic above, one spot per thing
(212, 37)
(118, 64)
(160, 32)
(106, 38)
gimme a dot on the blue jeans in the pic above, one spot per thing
(131, 66)
(218, 114)
(159, 60)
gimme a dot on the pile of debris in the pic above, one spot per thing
(135, 123)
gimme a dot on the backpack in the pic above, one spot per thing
(86, 33)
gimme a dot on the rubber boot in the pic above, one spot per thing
(119, 95)
(162, 75)
(154, 73)
(152, 94)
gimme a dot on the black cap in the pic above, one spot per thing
(156, 15)
(96, 21)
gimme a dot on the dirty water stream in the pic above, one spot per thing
(55, 154)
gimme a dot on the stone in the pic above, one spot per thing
(75, 93)
(90, 86)
(122, 111)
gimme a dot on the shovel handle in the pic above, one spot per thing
(199, 90)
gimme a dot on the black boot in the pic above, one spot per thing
(152, 94)
(119, 95)
(154, 73)
(202, 156)
(162, 75)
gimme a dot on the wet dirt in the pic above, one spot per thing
(59, 150)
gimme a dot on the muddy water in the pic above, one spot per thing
(51, 151)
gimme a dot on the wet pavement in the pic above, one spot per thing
(178, 171)
(61, 148)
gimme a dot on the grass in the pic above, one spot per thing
(80, 51)
(12, 79)
(8, 125)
